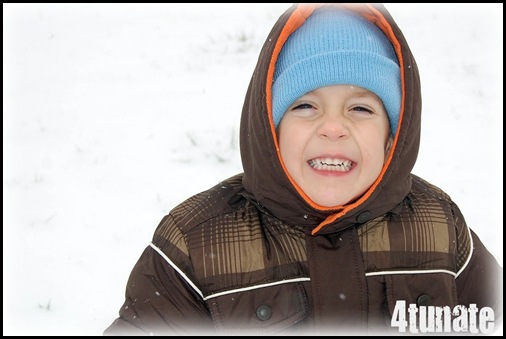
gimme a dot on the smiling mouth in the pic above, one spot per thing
(329, 164)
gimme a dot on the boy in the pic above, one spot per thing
(327, 230)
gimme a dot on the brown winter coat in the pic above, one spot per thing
(253, 255)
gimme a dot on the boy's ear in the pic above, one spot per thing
(388, 145)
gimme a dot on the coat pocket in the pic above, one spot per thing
(263, 310)
(427, 289)
(421, 303)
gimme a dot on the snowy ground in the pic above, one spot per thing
(113, 114)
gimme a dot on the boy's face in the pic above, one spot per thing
(334, 141)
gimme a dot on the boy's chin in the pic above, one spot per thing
(330, 201)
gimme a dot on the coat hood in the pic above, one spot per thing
(266, 179)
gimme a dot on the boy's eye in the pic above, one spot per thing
(303, 106)
(362, 109)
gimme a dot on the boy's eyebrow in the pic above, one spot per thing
(362, 92)
(365, 94)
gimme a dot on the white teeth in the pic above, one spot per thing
(330, 164)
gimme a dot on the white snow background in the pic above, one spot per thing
(115, 113)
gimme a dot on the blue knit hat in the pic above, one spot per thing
(337, 46)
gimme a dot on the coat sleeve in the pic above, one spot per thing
(158, 301)
(480, 281)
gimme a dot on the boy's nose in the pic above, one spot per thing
(333, 127)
